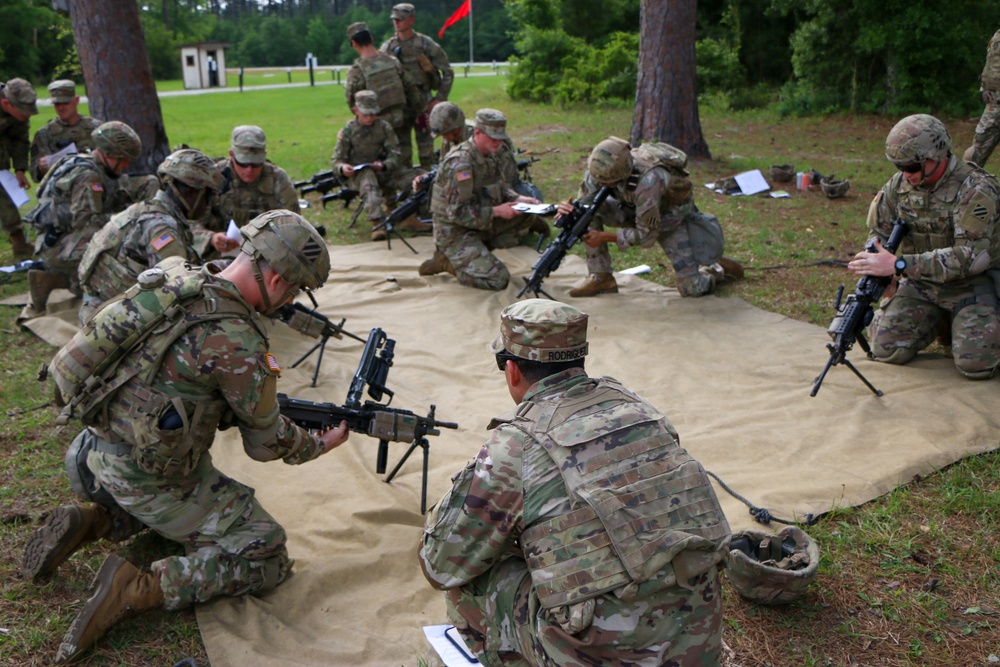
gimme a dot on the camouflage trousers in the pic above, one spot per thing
(988, 131)
(375, 190)
(909, 321)
(10, 217)
(64, 257)
(470, 251)
(674, 240)
(425, 145)
(234, 547)
(500, 619)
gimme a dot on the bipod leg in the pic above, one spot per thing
(357, 212)
(826, 369)
(321, 346)
(426, 446)
(390, 230)
(868, 384)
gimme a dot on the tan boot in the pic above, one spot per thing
(65, 531)
(437, 264)
(731, 269)
(596, 283)
(415, 224)
(378, 234)
(118, 592)
(40, 286)
(20, 246)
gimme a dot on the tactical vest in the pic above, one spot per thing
(382, 77)
(648, 156)
(929, 213)
(54, 194)
(412, 54)
(241, 201)
(615, 453)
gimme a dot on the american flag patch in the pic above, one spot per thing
(162, 241)
(272, 363)
(97, 187)
(463, 175)
(980, 212)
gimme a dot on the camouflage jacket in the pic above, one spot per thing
(242, 202)
(468, 186)
(505, 157)
(219, 372)
(954, 225)
(139, 237)
(515, 488)
(396, 91)
(426, 62)
(14, 142)
(991, 72)
(57, 135)
(361, 144)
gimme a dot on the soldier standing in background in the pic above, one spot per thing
(68, 127)
(988, 131)
(428, 64)
(542, 557)
(17, 106)
(399, 98)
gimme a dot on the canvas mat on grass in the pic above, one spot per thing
(734, 381)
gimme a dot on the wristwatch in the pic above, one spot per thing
(900, 266)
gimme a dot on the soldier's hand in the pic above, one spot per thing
(879, 263)
(22, 180)
(596, 237)
(505, 211)
(334, 437)
(223, 243)
(564, 208)
(377, 166)
(347, 170)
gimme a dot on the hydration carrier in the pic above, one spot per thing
(382, 77)
(48, 215)
(674, 160)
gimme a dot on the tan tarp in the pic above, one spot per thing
(733, 379)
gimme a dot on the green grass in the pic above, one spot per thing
(910, 579)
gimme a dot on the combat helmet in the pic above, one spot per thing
(781, 173)
(290, 245)
(191, 167)
(117, 140)
(917, 138)
(445, 117)
(833, 188)
(772, 569)
(610, 161)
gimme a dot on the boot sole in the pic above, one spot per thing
(70, 647)
(49, 548)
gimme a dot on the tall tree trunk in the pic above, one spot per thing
(165, 10)
(666, 91)
(117, 72)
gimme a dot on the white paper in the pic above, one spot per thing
(780, 194)
(450, 655)
(66, 150)
(17, 194)
(636, 270)
(537, 209)
(751, 182)
(233, 231)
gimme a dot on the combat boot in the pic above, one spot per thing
(416, 225)
(65, 531)
(119, 591)
(19, 245)
(378, 231)
(596, 283)
(40, 286)
(731, 269)
(437, 264)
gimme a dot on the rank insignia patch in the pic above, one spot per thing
(272, 363)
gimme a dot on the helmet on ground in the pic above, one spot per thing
(290, 245)
(833, 188)
(917, 138)
(781, 173)
(117, 140)
(445, 117)
(191, 167)
(610, 161)
(772, 569)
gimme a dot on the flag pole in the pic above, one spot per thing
(470, 35)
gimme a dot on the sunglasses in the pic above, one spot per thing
(251, 165)
(910, 168)
(503, 358)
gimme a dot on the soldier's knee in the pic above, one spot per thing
(895, 355)
(973, 369)
(269, 573)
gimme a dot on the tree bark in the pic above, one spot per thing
(666, 91)
(117, 73)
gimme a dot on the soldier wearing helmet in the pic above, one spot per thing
(68, 128)
(651, 202)
(149, 232)
(144, 461)
(988, 130)
(18, 103)
(946, 263)
(78, 195)
(539, 542)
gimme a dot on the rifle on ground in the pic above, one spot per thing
(347, 195)
(372, 418)
(410, 206)
(25, 265)
(856, 313)
(314, 179)
(322, 187)
(572, 227)
(312, 323)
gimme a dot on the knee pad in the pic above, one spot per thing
(976, 374)
(898, 356)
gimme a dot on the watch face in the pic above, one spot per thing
(900, 265)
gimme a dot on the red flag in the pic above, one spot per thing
(459, 14)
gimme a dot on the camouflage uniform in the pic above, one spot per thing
(361, 144)
(241, 202)
(954, 238)
(57, 135)
(521, 542)
(159, 470)
(14, 145)
(75, 200)
(428, 65)
(988, 131)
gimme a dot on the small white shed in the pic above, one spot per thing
(204, 65)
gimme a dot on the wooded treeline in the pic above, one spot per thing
(807, 56)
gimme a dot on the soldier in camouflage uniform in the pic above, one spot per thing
(78, 195)
(428, 64)
(988, 131)
(369, 140)
(947, 261)
(650, 202)
(17, 105)
(251, 184)
(543, 557)
(146, 233)
(68, 127)
(472, 204)
(399, 98)
(145, 457)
